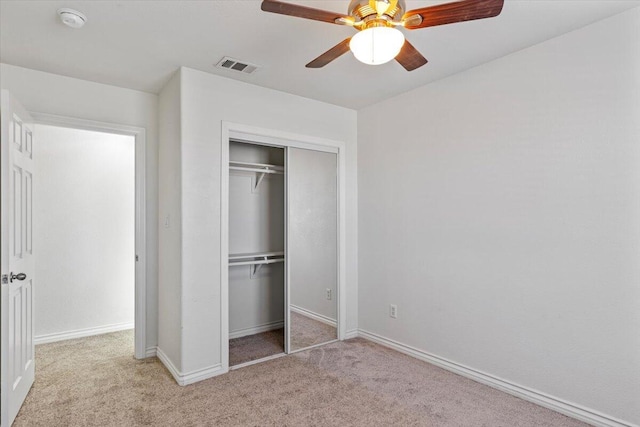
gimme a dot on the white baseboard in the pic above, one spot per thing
(81, 333)
(150, 352)
(256, 329)
(202, 374)
(567, 408)
(353, 333)
(168, 364)
(189, 377)
(315, 316)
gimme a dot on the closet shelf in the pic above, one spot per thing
(259, 168)
(257, 260)
(244, 256)
(256, 167)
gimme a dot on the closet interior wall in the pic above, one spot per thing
(256, 234)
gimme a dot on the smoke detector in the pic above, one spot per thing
(72, 18)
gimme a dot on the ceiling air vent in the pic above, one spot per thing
(236, 65)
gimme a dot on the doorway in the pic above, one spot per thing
(19, 254)
(89, 230)
(84, 229)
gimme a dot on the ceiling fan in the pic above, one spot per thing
(378, 40)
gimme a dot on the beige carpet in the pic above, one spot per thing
(96, 382)
(254, 347)
(306, 332)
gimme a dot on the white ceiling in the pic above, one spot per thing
(139, 44)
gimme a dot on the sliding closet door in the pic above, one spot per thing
(312, 250)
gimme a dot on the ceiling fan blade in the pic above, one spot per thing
(333, 53)
(449, 13)
(410, 58)
(302, 11)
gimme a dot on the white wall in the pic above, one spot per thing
(170, 231)
(65, 96)
(207, 100)
(256, 303)
(502, 217)
(84, 229)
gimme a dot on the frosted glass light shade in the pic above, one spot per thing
(376, 45)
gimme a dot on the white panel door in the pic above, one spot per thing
(16, 308)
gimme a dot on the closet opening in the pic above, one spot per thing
(281, 293)
(256, 252)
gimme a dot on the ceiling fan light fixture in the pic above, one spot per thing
(376, 45)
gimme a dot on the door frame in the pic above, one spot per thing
(277, 138)
(139, 134)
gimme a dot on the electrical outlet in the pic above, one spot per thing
(393, 311)
(328, 294)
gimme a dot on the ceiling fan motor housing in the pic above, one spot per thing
(361, 9)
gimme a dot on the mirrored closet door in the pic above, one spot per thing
(312, 247)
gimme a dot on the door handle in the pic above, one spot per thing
(19, 276)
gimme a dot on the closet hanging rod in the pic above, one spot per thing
(256, 165)
(255, 255)
(247, 169)
(256, 262)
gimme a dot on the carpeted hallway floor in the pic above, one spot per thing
(96, 382)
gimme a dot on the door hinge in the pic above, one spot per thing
(136, 258)
(5, 279)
